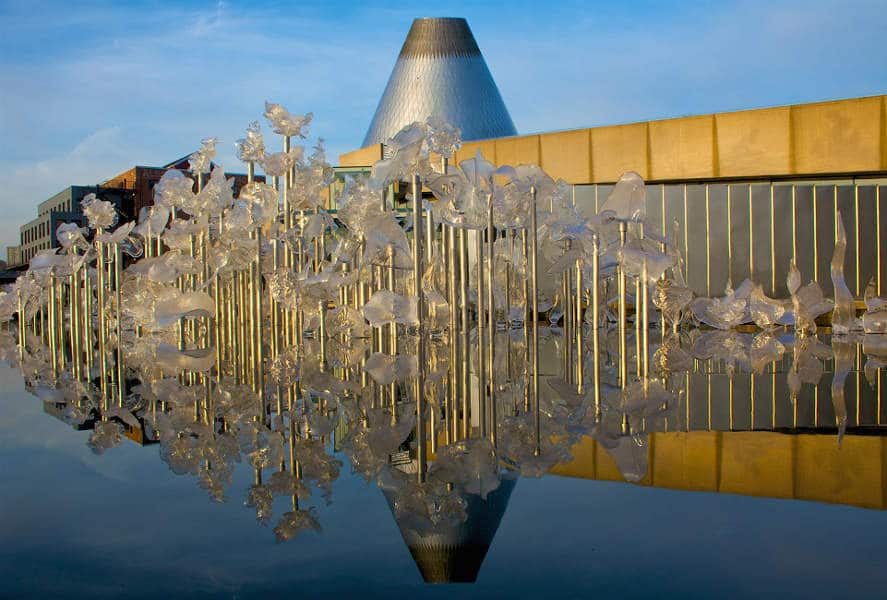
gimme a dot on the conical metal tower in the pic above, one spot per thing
(440, 71)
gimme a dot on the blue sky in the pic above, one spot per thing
(88, 89)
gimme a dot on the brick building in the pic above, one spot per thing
(141, 180)
(129, 191)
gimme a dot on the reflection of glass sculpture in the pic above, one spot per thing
(808, 354)
(448, 522)
(844, 355)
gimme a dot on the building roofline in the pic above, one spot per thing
(675, 117)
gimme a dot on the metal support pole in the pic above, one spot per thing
(534, 313)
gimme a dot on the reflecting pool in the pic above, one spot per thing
(746, 463)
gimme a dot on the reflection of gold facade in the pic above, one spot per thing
(753, 463)
(824, 138)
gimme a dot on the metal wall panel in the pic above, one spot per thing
(882, 232)
(719, 238)
(739, 233)
(846, 205)
(866, 197)
(584, 198)
(825, 410)
(762, 404)
(733, 231)
(697, 240)
(674, 210)
(720, 402)
(653, 204)
(712, 400)
(603, 192)
(760, 213)
(783, 238)
(783, 408)
(805, 406)
(805, 240)
(824, 197)
(740, 403)
(700, 405)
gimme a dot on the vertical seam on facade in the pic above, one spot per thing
(884, 133)
(591, 177)
(792, 160)
(649, 152)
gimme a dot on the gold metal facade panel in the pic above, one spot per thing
(686, 460)
(583, 463)
(757, 463)
(682, 148)
(361, 158)
(522, 150)
(615, 150)
(852, 473)
(605, 467)
(754, 143)
(845, 136)
(837, 137)
(593, 461)
(469, 150)
(566, 155)
(753, 463)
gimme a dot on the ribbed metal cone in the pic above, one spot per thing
(454, 554)
(441, 72)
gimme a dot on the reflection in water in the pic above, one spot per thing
(711, 415)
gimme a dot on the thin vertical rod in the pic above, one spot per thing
(534, 314)
(491, 335)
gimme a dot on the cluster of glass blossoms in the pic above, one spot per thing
(248, 325)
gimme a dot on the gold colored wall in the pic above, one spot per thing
(840, 137)
(364, 157)
(759, 463)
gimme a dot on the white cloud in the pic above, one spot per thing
(93, 159)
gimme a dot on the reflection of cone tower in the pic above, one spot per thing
(441, 72)
(455, 554)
